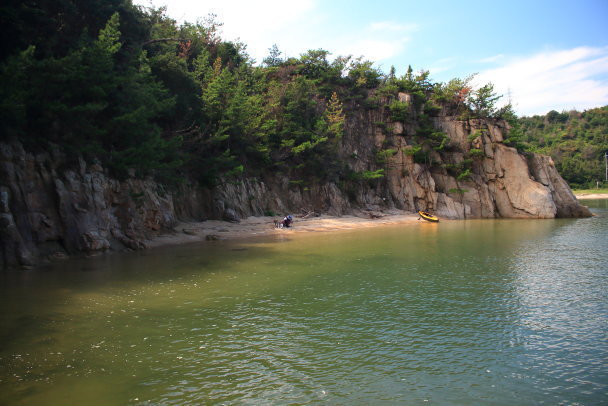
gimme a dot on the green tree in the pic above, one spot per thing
(363, 74)
(576, 142)
(483, 101)
(274, 57)
(455, 91)
(314, 63)
(334, 116)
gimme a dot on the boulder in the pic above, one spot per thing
(527, 197)
(231, 216)
(543, 169)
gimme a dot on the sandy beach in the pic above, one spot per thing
(186, 232)
(592, 196)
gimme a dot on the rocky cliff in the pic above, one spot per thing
(51, 209)
(472, 175)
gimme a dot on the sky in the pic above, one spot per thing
(540, 55)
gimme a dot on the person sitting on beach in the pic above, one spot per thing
(287, 221)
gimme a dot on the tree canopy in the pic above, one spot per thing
(133, 88)
(577, 142)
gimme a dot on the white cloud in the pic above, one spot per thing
(443, 65)
(295, 26)
(249, 18)
(554, 80)
(259, 24)
(377, 42)
(259, 14)
(491, 59)
(376, 50)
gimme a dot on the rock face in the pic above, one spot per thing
(48, 212)
(500, 182)
(51, 208)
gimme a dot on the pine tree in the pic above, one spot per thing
(274, 57)
(483, 101)
(335, 116)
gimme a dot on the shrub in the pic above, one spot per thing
(432, 109)
(382, 156)
(369, 175)
(399, 111)
(474, 135)
(476, 153)
(464, 175)
(413, 151)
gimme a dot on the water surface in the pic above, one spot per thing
(497, 312)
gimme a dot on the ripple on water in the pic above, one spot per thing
(490, 315)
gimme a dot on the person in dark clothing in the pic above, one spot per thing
(287, 221)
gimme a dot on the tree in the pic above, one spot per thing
(418, 85)
(108, 39)
(392, 74)
(216, 95)
(334, 116)
(455, 91)
(483, 101)
(515, 136)
(576, 142)
(15, 92)
(363, 74)
(274, 57)
(314, 63)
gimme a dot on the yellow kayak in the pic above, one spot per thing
(428, 216)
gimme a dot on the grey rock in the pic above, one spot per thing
(231, 216)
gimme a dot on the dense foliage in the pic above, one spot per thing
(131, 87)
(576, 141)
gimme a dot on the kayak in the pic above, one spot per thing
(428, 216)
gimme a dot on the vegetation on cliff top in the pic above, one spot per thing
(577, 142)
(131, 87)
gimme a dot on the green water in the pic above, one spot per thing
(497, 312)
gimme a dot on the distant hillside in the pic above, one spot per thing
(576, 141)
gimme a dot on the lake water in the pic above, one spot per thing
(488, 312)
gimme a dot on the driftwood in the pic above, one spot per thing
(307, 213)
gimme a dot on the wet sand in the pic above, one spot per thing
(187, 232)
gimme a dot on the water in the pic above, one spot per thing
(457, 313)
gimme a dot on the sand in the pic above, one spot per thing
(592, 196)
(187, 232)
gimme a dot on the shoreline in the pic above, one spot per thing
(209, 230)
(254, 226)
(592, 196)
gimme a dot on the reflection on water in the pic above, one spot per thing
(563, 308)
(464, 312)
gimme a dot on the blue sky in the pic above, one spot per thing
(547, 55)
